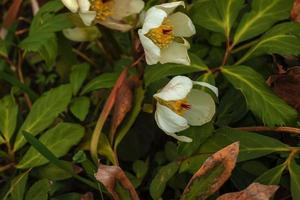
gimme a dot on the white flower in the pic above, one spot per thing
(163, 32)
(179, 105)
(109, 13)
(82, 34)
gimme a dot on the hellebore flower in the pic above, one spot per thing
(109, 13)
(179, 105)
(163, 32)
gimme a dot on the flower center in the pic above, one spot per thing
(103, 8)
(163, 35)
(179, 106)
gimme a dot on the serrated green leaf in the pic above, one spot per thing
(216, 15)
(272, 176)
(281, 39)
(159, 182)
(48, 50)
(106, 80)
(263, 15)
(44, 111)
(159, 71)
(38, 191)
(260, 99)
(294, 170)
(78, 75)
(199, 134)
(8, 116)
(80, 107)
(59, 140)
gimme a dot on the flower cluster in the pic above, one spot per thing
(162, 35)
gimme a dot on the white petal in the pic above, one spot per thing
(209, 86)
(82, 34)
(177, 89)
(153, 19)
(175, 53)
(124, 8)
(170, 7)
(183, 25)
(152, 52)
(72, 5)
(84, 5)
(169, 121)
(202, 109)
(88, 17)
(180, 138)
(116, 25)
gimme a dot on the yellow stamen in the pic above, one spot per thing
(178, 106)
(103, 9)
(163, 35)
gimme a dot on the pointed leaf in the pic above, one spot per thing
(260, 99)
(59, 140)
(212, 174)
(80, 107)
(263, 15)
(8, 116)
(44, 111)
(272, 176)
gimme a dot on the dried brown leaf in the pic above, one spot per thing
(255, 191)
(287, 86)
(227, 158)
(123, 104)
(295, 13)
(109, 175)
(12, 13)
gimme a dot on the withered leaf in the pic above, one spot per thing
(123, 103)
(109, 176)
(295, 13)
(212, 174)
(287, 86)
(255, 191)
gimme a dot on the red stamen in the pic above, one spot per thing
(166, 31)
(186, 106)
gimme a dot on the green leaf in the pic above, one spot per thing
(106, 80)
(252, 145)
(159, 182)
(2, 141)
(39, 190)
(44, 111)
(3, 49)
(17, 188)
(216, 15)
(59, 140)
(281, 39)
(42, 149)
(80, 107)
(105, 149)
(129, 121)
(78, 75)
(232, 108)
(263, 15)
(199, 134)
(140, 168)
(260, 99)
(159, 71)
(294, 170)
(272, 176)
(8, 116)
(52, 172)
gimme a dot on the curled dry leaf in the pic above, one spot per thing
(295, 13)
(123, 103)
(110, 175)
(255, 191)
(287, 86)
(212, 174)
